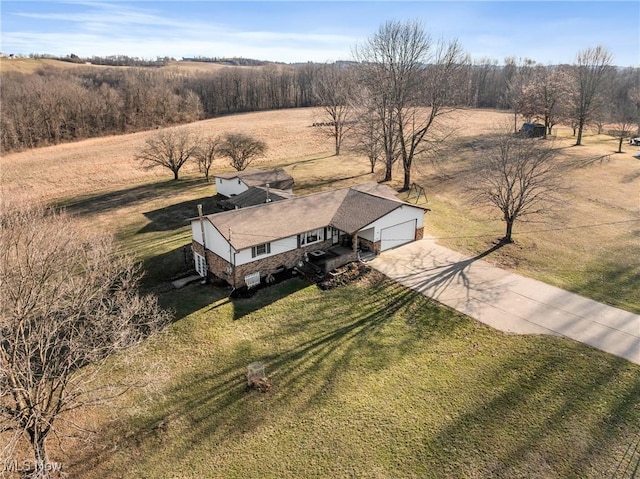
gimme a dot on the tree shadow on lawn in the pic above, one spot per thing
(267, 294)
(113, 200)
(213, 404)
(613, 278)
(357, 342)
(177, 215)
(580, 405)
(429, 276)
(161, 269)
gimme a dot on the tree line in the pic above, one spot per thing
(404, 82)
(55, 105)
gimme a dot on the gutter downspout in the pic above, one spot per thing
(232, 261)
(204, 244)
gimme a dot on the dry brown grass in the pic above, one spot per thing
(31, 65)
(100, 164)
(566, 249)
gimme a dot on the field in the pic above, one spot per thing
(395, 387)
(31, 65)
(587, 244)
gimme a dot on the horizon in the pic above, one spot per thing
(316, 31)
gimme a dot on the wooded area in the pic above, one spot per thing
(58, 105)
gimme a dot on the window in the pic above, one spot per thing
(261, 249)
(201, 264)
(311, 237)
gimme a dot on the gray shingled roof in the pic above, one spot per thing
(256, 195)
(277, 178)
(359, 209)
(348, 209)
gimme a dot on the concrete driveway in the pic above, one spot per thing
(510, 302)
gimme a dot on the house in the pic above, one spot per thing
(533, 130)
(255, 195)
(329, 229)
(231, 184)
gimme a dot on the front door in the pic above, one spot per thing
(335, 236)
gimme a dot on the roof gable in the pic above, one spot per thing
(360, 209)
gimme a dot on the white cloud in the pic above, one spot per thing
(109, 29)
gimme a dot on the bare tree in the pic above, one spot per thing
(169, 149)
(241, 149)
(517, 176)
(623, 116)
(409, 83)
(368, 139)
(333, 92)
(545, 96)
(516, 85)
(68, 302)
(634, 98)
(206, 154)
(591, 71)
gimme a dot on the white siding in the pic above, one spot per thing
(230, 187)
(367, 234)
(399, 215)
(214, 241)
(397, 235)
(196, 231)
(277, 247)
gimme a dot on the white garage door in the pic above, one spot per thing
(397, 235)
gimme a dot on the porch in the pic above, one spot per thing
(331, 258)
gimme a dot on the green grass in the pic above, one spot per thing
(607, 272)
(369, 380)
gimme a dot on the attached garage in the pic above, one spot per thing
(397, 235)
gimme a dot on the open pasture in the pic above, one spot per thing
(589, 243)
(394, 387)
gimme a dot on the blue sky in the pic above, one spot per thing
(545, 31)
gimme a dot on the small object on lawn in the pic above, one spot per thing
(255, 371)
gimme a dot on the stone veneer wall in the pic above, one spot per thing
(216, 265)
(219, 267)
(374, 247)
(271, 264)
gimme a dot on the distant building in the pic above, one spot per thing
(532, 130)
(231, 184)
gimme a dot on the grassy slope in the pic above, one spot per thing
(32, 65)
(395, 387)
(391, 388)
(597, 262)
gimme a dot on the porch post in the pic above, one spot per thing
(354, 241)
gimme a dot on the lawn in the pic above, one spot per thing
(370, 380)
(393, 387)
(588, 244)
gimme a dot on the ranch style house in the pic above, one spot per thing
(329, 229)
